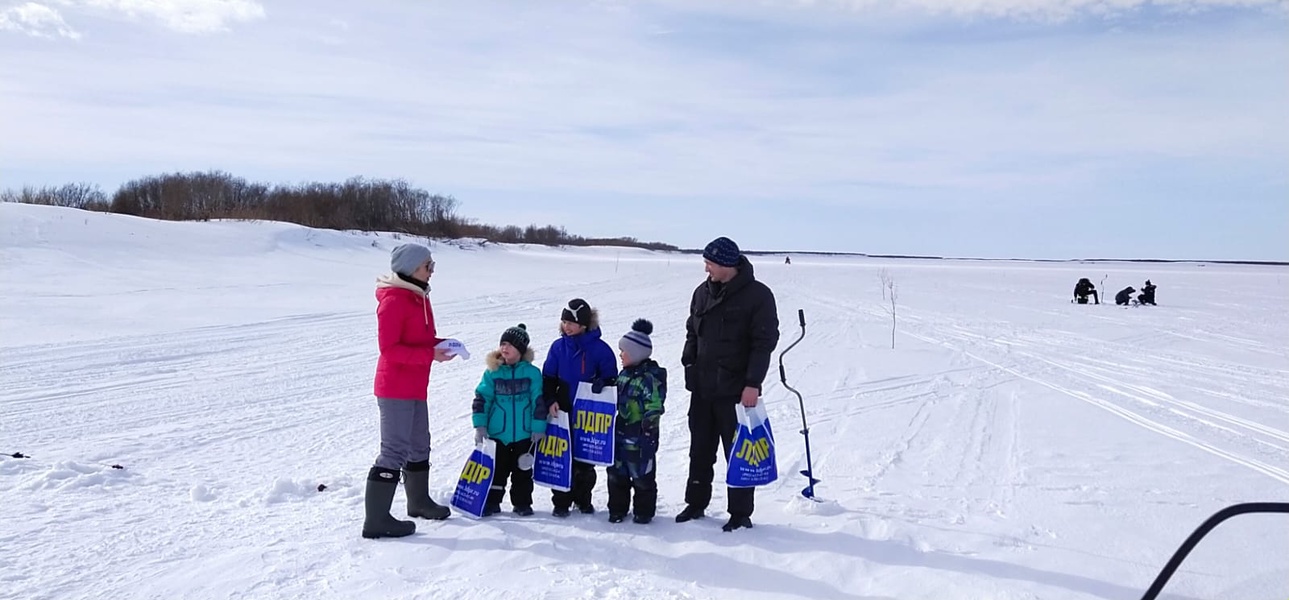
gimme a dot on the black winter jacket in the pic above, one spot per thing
(731, 331)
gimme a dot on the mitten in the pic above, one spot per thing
(480, 434)
(538, 436)
(554, 392)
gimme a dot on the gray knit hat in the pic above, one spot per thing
(407, 258)
(636, 343)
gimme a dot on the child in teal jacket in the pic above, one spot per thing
(508, 409)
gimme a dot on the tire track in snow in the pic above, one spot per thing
(149, 383)
(1106, 374)
(894, 457)
(969, 428)
(1115, 385)
(987, 470)
(1200, 378)
(1013, 346)
(1272, 471)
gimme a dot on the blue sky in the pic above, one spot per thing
(993, 128)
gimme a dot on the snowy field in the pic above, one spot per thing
(1013, 445)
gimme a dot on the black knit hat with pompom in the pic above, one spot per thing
(517, 336)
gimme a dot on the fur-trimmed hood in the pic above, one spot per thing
(494, 360)
(393, 280)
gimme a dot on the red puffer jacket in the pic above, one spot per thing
(406, 334)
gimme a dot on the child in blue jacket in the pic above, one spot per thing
(642, 391)
(578, 355)
(508, 409)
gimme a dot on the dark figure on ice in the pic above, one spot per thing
(1147, 295)
(1124, 297)
(732, 329)
(1083, 289)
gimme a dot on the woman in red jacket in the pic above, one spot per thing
(407, 339)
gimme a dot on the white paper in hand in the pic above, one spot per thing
(454, 348)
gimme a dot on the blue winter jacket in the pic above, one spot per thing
(573, 359)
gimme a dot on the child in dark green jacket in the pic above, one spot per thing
(508, 409)
(642, 391)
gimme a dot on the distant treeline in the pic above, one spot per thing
(357, 204)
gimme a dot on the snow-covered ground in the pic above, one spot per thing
(1012, 445)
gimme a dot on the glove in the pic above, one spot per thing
(538, 436)
(648, 447)
(597, 385)
(480, 434)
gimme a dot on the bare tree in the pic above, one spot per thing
(891, 291)
(442, 215)
(72, 195)
(885, 277)
(357, 203)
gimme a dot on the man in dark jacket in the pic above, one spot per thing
(1124, 297)
(732, 329)
(1147, 295)
(1083, 289)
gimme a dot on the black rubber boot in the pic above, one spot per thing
(737, 522)
(416, 482)
(690, 513)
(381, 485)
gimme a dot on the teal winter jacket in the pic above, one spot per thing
(508, 401)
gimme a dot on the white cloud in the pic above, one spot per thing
(36, 20)
(185, 16)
